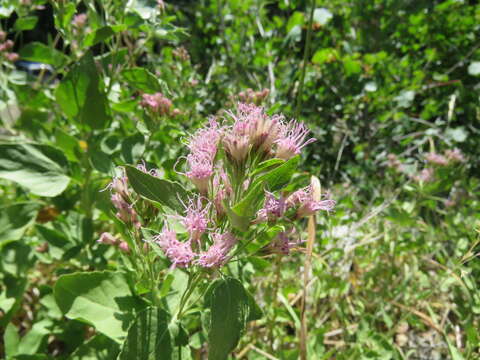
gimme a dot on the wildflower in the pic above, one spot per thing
(157, 103)
(204, 141)
(179, 253)
(292, 140)
(181, 53)
(282, 244)
(216, 255)
(107, 238)
(426, 175)
(12, 57)
(125, 211)
(200, 171)
(273, 208)
(196, 218)
(251, 96)
(307, 205)
(7, 45)
(454, 155)
(123, 246)
(79, 20)
(436, 159)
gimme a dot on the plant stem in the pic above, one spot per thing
(305, 59)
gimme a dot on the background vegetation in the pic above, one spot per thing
(381, 83)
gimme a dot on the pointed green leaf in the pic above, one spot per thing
(148, 338)
(81, 95)
(165, 192)
(230, 310)
(15, 219)
(142, 80)
(39, 168)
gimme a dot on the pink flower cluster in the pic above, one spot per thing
(6, 46)
(158, 104)
(253, 97)
(448, 157)
(108, 239)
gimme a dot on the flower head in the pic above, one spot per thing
(282, 244)
(307, 205)
(436, 159)
(179, 253)
(157, 103)
(196, 218)
(272, 209)
(200, 171)
(454, 155)
(292, 140)
(107, 238)
(426, 175)
(216, 255)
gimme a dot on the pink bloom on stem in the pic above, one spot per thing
(292, 140)
(216, 255)
(179, 253)
(157, 103)
(200, 171)
(12, 57)
(282, 244)
(125, 211)
(307, 205)
(123, 246)
(196, 218)
(107, 238)
(426, 175)
(272, 209)
(79, 20)
(455, 155)
(437, 159)
(203, 143)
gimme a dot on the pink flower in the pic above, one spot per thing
(252, 129)
(123, 246)
(216, 255)
(125, 212)
(142, 167)
(204, 142)
(292, 140)
(79, 20)
(200, 171)
(157, 103)
(179, 253)
(282, 244)
(426, 175)
(437, 159)
(196, 218)
(455, 155)
(107, 238)
(12, 57)
(273, 208)
(307, 205)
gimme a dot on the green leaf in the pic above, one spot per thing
(42, 53)
(102, 34)
(273, 180)
(15, 219)
(165, 192)
(11, 340)
(102, 299)
(142, 80)
(98, 347)
(133, 148)
(229, 304)
(148, 338)
(39, 168)
(81, 95)
(25, 23)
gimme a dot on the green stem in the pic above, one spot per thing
(305, 59)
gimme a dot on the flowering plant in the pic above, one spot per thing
(240, 204)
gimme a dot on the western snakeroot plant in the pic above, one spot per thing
(241, 203)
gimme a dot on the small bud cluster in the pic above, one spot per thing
(6, 46)
(79, 21)
(181, 53)
(251, 96)
(427, 174)
(108, 239)
(158, 104)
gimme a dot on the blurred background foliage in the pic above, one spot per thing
(394, 271)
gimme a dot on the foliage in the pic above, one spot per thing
(388, 88)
